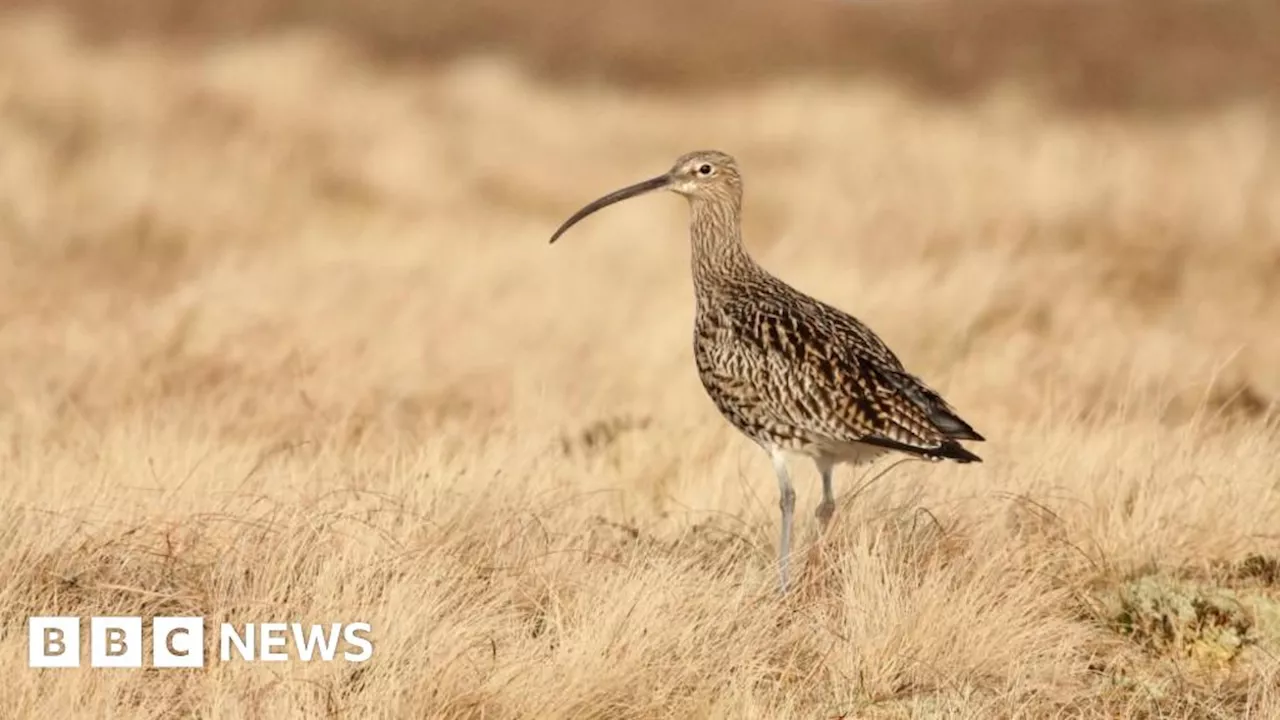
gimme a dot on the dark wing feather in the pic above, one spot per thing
(909, 416)
(869, 396)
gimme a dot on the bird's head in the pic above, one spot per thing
(702, 175)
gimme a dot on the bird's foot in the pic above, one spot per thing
(824, 512)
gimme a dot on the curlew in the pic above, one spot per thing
(794, 374)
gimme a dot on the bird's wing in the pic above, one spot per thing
(833, 377)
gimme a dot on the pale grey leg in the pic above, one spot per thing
(787, 502)
(828, 505)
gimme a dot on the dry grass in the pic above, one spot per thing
(283, 340)
(1116, 55)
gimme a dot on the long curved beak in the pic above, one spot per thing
(631, 191)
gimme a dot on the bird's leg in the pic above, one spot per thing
(787, 503)
(828, 505)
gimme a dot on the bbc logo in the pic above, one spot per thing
(178, 642)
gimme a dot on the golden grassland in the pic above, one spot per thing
(282, 339)
(1131, 55)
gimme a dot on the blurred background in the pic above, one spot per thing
(1131, 56)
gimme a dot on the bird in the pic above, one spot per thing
(797, 376)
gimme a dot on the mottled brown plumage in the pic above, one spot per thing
(792, 373)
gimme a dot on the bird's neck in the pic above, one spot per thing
(716, 234)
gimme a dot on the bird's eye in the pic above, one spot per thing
(704, 169)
